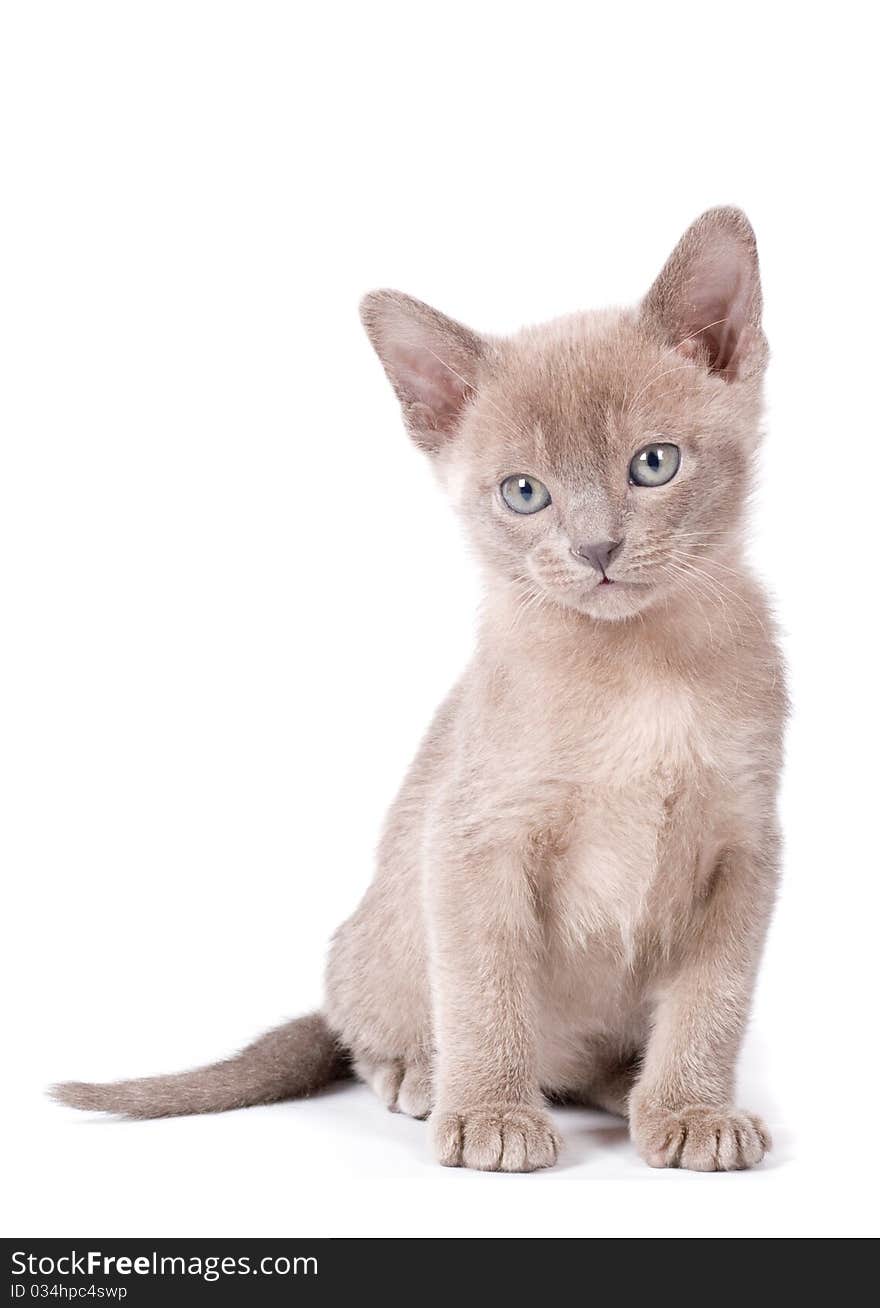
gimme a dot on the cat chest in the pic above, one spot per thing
(630, 849)
(639, 817)
(649, 731)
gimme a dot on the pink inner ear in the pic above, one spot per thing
(430, 380)
(431, 361)
(715, 322)
(707, 299)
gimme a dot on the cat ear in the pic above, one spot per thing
(431, 362)
(707, 299)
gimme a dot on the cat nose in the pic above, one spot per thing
(599, 553)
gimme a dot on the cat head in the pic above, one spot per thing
(593, 457)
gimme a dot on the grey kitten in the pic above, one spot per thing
(574, 883)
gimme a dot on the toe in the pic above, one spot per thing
(729, 1148)
(515, 1153)
(383, 1079)
(446, 1132)
(760, 1129)
(414, 1095)
(542, 1149)
(483, 1144)
(700, 1151)
(754, 1140)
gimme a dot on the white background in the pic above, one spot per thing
(232, 596)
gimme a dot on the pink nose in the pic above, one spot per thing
(598, 553)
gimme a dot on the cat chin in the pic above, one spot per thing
(613, 603)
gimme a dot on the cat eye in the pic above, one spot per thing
(655, 465)
(524, 494)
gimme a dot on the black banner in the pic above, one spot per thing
(138, 1271)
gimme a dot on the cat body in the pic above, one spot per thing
(574, 883)
(619, 821)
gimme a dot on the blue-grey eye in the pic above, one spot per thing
(524, 494)
(655, 465)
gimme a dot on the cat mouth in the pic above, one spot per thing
(624, 585)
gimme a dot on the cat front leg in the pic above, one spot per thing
(681, 1108)
(485, 949)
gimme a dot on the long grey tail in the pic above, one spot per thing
(292, 1061)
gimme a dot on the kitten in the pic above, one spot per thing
(575, 881)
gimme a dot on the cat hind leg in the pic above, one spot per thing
(402, 1087)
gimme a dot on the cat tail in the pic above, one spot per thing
(292, 1061)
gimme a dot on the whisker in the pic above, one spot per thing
(688, 590)
(737, 596)
(654, 552)
(708, 559)
(715, 588)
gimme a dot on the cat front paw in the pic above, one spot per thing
(698, 1138)
(495, 1139)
